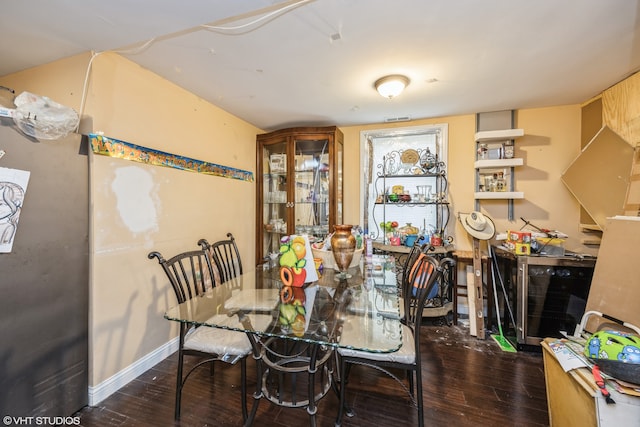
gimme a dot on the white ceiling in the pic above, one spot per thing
(314, 63)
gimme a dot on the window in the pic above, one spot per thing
(404, 179)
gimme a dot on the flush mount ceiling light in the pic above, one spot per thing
(391, 86)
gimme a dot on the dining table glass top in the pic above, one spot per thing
(361, 312)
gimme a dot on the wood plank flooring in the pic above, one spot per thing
(466, 382)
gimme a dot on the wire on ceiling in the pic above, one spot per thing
(149, 42)
(278, 11)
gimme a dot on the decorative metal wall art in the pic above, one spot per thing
(410, 162)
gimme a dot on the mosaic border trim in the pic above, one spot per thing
(112, 147)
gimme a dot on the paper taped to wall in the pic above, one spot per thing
(13, 187)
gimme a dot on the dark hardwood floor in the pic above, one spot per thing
(467, 382)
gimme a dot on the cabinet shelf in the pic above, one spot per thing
(420, 175)
(500, 195)
(401, 204)
(311, 202)
(498, 163)
(278, 232)
(324, 172)
(303, 202)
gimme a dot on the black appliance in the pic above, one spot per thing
(539, 296)
(44, 280)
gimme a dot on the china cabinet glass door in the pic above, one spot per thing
(300, 185)
(312, 175)
(275, 194)
(337, 200)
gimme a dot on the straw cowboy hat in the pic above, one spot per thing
(478, 225)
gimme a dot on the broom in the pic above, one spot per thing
(504, 343)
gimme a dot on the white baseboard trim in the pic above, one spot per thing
(112, 384)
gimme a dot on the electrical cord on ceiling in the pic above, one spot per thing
(257, 20)
(94, 55)
(148, 43)
(83, 99)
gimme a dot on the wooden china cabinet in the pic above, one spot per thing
(299, 191)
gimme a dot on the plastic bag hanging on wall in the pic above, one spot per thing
(42, 118)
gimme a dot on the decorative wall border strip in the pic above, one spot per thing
(106, 146)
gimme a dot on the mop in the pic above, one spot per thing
(504, 343)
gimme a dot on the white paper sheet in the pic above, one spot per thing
(567, 358)
(13, 187)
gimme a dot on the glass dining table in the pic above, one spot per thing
(295, 331)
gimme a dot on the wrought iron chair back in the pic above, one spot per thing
(411, 258)
(190, 274)
(225, 256)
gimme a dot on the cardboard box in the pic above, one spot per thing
(522, 248)
(615, 286)
(519, 242)
(519, 236)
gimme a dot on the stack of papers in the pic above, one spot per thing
(567, 357)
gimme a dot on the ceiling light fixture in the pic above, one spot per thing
(391, 86)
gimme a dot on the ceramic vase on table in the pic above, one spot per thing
(343, 245)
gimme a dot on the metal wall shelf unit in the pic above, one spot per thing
(427, 205)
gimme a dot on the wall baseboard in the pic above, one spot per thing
(112, 384)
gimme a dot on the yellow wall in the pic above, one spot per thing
(138, 208)
(550, 144)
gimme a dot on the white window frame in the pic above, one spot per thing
(440, 129)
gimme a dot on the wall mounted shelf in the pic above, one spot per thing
(495, 162)
(498, 135)
(504, 195)
(498, 163)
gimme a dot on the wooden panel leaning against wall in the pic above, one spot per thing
(621, 112)
(621, 109)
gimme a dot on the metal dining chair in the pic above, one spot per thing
(225, 256)
(411, 258)
(190, 274)
(416, 251)
(422, 276)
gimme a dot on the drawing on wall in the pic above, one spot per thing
(13, 187)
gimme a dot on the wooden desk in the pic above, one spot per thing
(573, 398)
